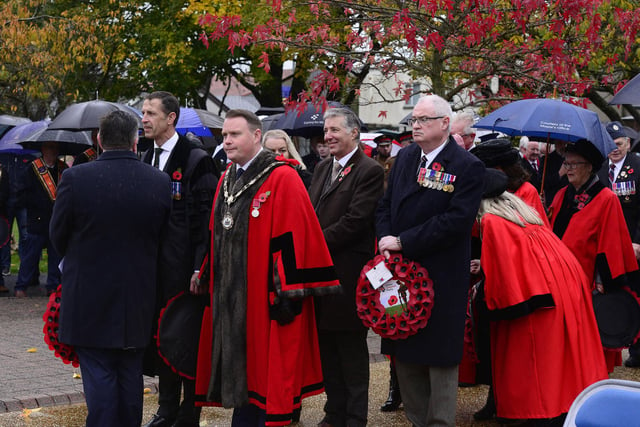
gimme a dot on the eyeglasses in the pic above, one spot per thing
(571, 166)
(422, 120)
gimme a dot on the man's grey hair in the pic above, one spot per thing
(351, 120)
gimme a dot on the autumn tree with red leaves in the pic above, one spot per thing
(565, 48)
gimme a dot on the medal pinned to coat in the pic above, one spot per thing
(436, 179)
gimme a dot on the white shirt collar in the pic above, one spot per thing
(246, 165)
(343, 161)
(433, 154)
(167, 148)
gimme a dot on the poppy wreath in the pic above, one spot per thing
(50, 317)
(415, 295)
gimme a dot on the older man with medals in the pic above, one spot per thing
(621, 173)
(258, 345)
(427, 212)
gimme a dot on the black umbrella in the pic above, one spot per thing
(307, 120)
(269, 122)
(69, 142)
(629, 94)
(87, 115)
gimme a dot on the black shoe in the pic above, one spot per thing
(488, 411)
(393, 401)
(295, 417)
(632, 362)
(158, 421)
(185, 424)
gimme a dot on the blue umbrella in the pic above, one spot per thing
(197, 121)
(549, 119)
(10, 141)
(307, 121)
(629, 94)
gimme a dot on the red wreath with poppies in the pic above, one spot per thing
(50, 317)
(415, 294)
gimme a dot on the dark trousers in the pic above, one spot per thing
(113, 386)
(34, 245)
(345, 368)
(170, 388)
(634, 351)
(249, 416)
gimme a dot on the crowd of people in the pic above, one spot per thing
(270, 253)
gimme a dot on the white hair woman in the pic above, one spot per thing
(533, 306)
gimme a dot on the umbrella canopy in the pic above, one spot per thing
(10, 141)
(197, 121)
(629, 94)
(269, 122)
(307, 120)
(87, 115)
(548, 119)
(8, 120)
(69, 142)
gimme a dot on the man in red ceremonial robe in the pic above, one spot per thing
(545, 345)
(258, 345)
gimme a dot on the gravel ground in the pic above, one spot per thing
(470, 399)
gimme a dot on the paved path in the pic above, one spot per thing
(31, 379)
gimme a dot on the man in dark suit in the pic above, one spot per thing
(621, 173)
(193, 183)
(38, 196)
(428, 217)
(110, 248)
(530, 151)
(344, 192)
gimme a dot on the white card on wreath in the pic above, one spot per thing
(379, 275)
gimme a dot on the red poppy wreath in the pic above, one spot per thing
(401, 306)
(50, 317)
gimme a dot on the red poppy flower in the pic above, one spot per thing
(177, 175)
(393, 300)
(263, 197)
(346, 171)
(436, 166)
(631, 170)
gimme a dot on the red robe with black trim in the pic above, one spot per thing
(546, 348)
(284, 240)
(599, 229)
(467, 368)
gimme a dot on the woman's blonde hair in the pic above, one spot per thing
(291, 148)
(510, 207)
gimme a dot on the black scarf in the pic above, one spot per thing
(571, 203)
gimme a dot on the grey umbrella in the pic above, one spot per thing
(629, 94)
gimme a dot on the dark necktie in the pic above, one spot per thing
(612, 173)
(423, 163)
(156, 158)
(239, 173)
(534, 164)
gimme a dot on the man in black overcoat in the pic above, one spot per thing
(106, 223)
(433, 194)
(182, 250)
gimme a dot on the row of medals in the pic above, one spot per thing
(436, 180)
(624, 188)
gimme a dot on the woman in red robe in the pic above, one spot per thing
(588, 218)
(545, 346)
(475, 365)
